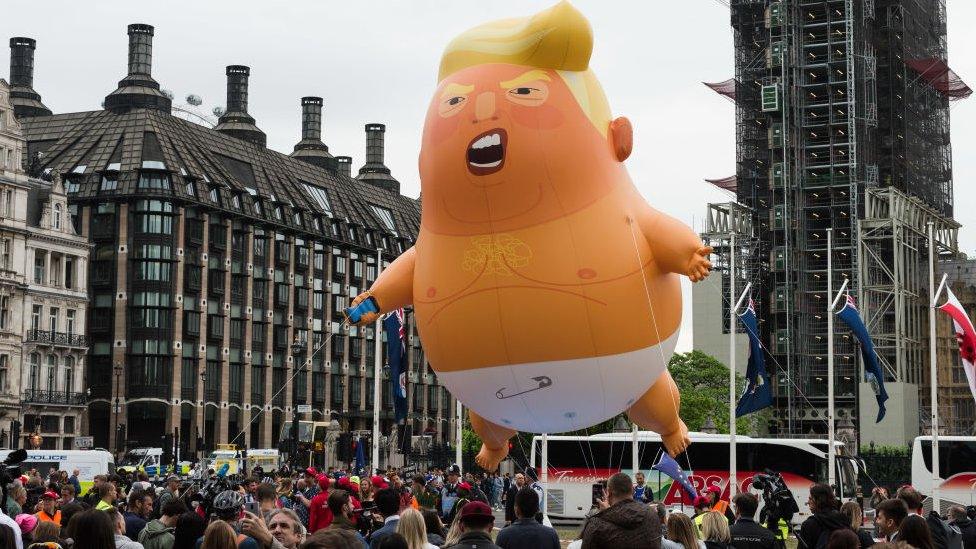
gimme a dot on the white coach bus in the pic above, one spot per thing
(577, 462)
(957, 468)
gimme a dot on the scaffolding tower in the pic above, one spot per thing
(833, 98)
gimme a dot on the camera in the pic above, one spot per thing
(778, 501)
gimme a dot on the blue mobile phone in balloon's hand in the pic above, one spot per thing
(366, 306)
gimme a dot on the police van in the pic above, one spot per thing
(88, 462)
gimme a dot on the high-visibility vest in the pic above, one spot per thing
(782, 530)
(721, 506)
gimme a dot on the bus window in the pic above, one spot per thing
(955, 456)
(788, 459)
(847, 478)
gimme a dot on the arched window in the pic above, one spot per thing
(57, 217)
(69, 374)
(52, 368)
(35, 371)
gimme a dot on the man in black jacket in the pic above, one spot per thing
(526, 533)
(825, 519)
(510, 498)
(476, 525)
(962, 521)
(621, 523)
(746, 532)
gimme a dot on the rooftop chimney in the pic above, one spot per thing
(311, 149)
(138, 90)
(374, 171)
(344, 164)
(23, 98)
(236, 121)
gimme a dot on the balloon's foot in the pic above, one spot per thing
(678, 440)
(488, 459)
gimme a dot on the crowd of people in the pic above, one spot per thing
(335, 509)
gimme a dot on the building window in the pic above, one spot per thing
(6, 254)
(152, 218)
(56, 219)
(39, 266)
(52, 319)
(69, 425)
(8, 202)
(52, 368)
(55, 278)
(34, 380)
(36, 318)
(154, 262)
(153, 181)
(69, 374)
(4, 373)
(70, 321)
(69, 272)
(4, 312)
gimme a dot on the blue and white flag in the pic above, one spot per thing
(396, 357)
(872, 370)
(758, 393)
(360, 465)
(670, 467)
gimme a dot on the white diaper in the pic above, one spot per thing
(560, 395)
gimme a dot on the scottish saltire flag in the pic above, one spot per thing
(872, 370)
(396, 356)
(965, 335)
(670, 467)
(758, 393)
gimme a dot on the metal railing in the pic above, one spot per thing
(66, 398)
(56, 338)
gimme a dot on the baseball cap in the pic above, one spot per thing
(378, 482)
(714, 489)
(464, 485)
(477, 510)
(49, 495)
(26, 523)
(354, 479)
(324, 482)
(311, 472)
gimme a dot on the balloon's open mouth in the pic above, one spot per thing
(486, 152)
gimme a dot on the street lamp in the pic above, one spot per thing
(296, 347)
(203, 390)
(118, 369)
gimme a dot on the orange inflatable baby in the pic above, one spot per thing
(545, 287)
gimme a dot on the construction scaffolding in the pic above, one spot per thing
(894, 291)
(828, 107)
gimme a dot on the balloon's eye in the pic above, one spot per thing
(522, 91)
(455, 100)
(529, 96)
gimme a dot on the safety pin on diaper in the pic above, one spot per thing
(544, 381)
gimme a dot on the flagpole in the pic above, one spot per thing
(545, 477)
(831, 479)
(733, 477)
(634, 455)
(377, 372)
(933, 374)
(458, 434)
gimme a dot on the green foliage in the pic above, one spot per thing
(703, 383)
(896, 451)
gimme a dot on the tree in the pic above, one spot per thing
(704, 385)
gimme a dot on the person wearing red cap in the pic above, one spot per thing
(714, 494)
(320, 516)
(476, 523)
(378, 482)
(464, 497)
(49, 508)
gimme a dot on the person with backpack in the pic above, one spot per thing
(960, 519)
(944, 535)
(825, 518)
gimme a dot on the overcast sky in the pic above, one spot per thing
(376, 61)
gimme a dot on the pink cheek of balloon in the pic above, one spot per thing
(441, 129)
(543, 117)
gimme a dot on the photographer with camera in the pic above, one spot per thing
(746, 532)
(779, 505)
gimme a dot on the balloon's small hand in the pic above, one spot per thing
(699, 266)
(366, 317)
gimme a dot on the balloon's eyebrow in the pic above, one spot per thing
(530, 76)
(453, 89)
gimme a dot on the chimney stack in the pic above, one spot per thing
(23, 98)
(140, 49)
(345, 165)
(138, 90)
(236, 121)
(311, 149)
(374, 171)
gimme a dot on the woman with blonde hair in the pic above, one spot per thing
(715, 531)
(413, 529)
(852, 511)
(219, 535)
(453, 535)
(682, 533)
